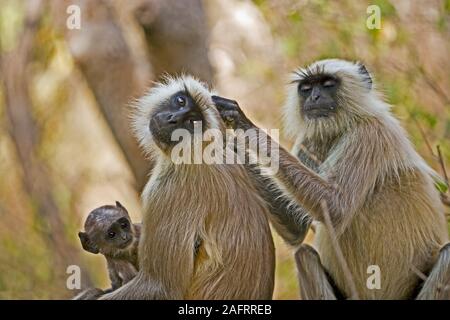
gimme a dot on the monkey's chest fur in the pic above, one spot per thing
(399, 229)
(217, 207)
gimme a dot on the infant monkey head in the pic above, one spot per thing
(108, 230)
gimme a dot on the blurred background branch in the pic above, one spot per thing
(25, 134)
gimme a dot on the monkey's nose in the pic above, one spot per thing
(171, 118)
(315, 97)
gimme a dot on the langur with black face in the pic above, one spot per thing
(359, 176)
(205, 233)
(110, 232)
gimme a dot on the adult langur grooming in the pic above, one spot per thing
(366, 177)
(205, 233)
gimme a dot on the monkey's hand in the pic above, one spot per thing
(232, 114)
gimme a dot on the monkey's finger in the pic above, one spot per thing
(229, 116)
(223, 103)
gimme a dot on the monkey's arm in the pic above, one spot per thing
(289, 219)
(437, 284)
(116, 281)
(350, 177)
(316, 194)
(126, 271)
(312, 276)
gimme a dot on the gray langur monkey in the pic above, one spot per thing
(354, 171)
(110, 232)
(205, 230)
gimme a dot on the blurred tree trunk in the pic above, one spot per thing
(101, 52)
(25, 135)
(176, 40)
(177, 36)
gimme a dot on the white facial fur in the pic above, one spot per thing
(162, 91)
(355, 96)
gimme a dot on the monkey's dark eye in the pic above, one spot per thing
(329, 83)
(180, 100)
(124, 225)
(111, 234)
(305, 87)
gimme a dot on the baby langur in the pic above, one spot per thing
(109, 231)
(354, 171)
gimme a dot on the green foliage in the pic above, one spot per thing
(295, 17)
(447, 129)
(291, 45)
(386, 8)
(447, 6)
(11, 21)
(441, 185)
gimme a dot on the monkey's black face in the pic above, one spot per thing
(180, 111)
(120, 234)
(318, 96)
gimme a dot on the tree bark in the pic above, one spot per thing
(25, 135)
(101, 52)
(177, 37)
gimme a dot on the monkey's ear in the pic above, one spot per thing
(119, 205)
(366, 75)
(87, 243)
